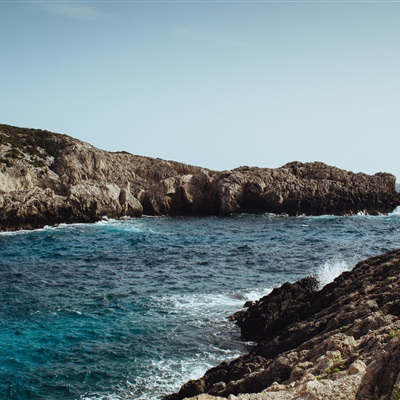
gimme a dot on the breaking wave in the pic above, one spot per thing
(331, 269)
(133, 309)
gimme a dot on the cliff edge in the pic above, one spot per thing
(340, 342)
(48, 178)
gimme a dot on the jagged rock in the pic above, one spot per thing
(274, 311)
(187, 194)
(381, 380)
(340, 342)
(89, 183)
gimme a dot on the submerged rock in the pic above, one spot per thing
(340, 342)
(48, 178)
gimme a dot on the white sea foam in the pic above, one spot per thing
(160, 378)
(199, 304)
(395, 212)
(46, 228)
(256, 294)
(163, 375)
(210, 304)
(21, 232)
(122, 224)
(28, 231)
(330, 270)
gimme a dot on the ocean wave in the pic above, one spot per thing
(113, 224)
(213, 305)
(124, 225)
(143, 312)
(198, 304)
(256, 294)
(331, 269)
(395, 212)
(160, 378)
(46, 228)
(20, 232)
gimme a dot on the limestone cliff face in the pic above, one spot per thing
(48, 178)
(340, 342)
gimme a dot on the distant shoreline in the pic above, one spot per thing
(48, 178)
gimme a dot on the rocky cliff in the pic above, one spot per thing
(48, 178)
(340, 342)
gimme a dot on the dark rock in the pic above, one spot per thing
(276, 310)
(356, 316)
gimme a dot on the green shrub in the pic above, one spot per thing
(393, 333)
(334, 369)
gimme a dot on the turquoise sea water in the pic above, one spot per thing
(132, 309)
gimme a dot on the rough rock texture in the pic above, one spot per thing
(340, 342)
(48, 178)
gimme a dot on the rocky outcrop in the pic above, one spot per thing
(48, 178)
(340, 342)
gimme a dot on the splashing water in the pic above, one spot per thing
(330, 270)
(133, 309)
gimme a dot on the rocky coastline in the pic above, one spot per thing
(338, 342)
(48, 178)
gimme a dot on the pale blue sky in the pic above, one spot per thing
(212, 83)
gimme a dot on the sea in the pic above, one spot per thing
(134, 308)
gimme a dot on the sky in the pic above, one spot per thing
(218, 84)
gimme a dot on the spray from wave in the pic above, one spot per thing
(395, 212)
(331, 269)
(202, 341)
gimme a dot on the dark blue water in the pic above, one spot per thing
(133, 309)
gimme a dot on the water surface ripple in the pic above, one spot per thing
(133, 309)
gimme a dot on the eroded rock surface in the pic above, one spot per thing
(340, 342)
(48, 178)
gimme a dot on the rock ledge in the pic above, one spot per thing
(340, 342)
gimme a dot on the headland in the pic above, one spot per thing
(48, 178)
